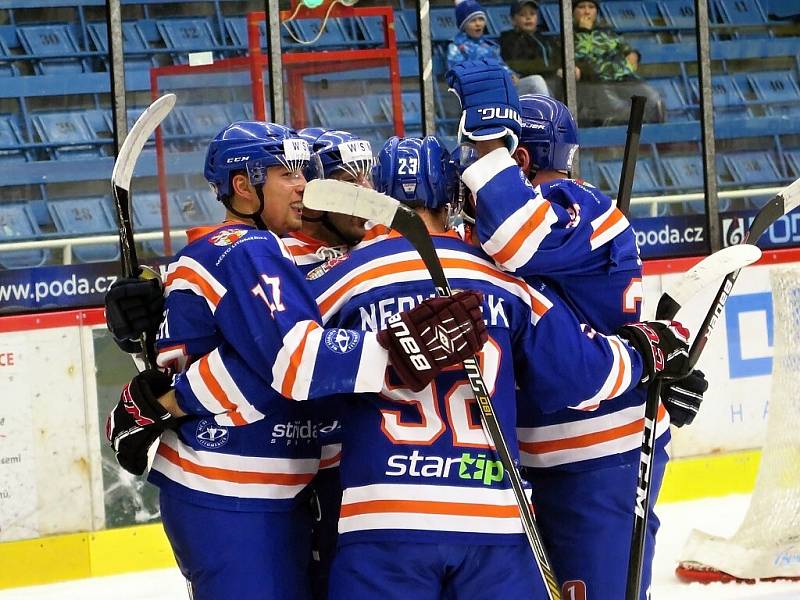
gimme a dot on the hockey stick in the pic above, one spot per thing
(708, 270)
(349, 199)
(121, 191)
(781, 204)
(625, 187)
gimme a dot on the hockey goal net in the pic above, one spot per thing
(767, 543)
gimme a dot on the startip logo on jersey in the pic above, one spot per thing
(471, 467)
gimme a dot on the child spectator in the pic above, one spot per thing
(470, 43)
(608, 66)
(532, 58)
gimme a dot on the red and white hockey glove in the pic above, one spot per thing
(663, 345)
(138, 419)
(437, 333)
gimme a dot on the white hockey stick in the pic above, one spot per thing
(349, 199)
(709, 270)
(121, 190)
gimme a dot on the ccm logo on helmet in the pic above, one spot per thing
(237, 159)
(495, 112)
(407, 342)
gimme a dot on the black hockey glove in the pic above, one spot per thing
(663, 346)
(682, 398)
(133, 308)
(437, 333)
(138, 419)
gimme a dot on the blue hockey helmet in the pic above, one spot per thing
(252, 146)
(549, 132)
(416, 171)
(338, 152)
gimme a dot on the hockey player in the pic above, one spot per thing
(243, 334)
(535, 221)
(427, 511)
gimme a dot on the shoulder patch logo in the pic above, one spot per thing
(341, 341)
(226, 237)
(319, 271)
(210, 435)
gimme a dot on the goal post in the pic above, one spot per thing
(767, 543)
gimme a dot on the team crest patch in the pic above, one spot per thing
(226, 237)
(210, 435)
(341, 341)
(319, 271)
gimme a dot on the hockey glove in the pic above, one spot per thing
(133, 308)
(663, 345)
(436, 334)
(682, 398)
(138, 419)
(489, 101)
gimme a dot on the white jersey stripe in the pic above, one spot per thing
(486, 168)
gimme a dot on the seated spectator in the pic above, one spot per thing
(470, 43)
(608, 66)
(533, 59)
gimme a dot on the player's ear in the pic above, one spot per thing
(523, 158)
(243, 191)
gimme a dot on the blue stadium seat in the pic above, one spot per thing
(16, 221)
(340, 112)
(67, 133)
(187, 35)
(499, 17)
(644, 181)
(686, 173)
(99, 122)
(85, 216)
(188, 210)
(674, 102)
(728, 98)
(379, 108)
(412, 111)
(7, 68)
(371, 29)
(409, 63)
(213, 207)
(443, 24)
(53, 45)
(627, 15)
(793, 158)
(308, 29)
(203, 120)
(550, 17)
(679, 14)
(410, 20)
(133, 43)
(147, 217)
(740, 12)
(777, 89)
(404, 32)
(750, 168)
(11, 138)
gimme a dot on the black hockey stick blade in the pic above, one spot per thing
(625, 187)
(783, 203)
(350, 199)
(123, 172)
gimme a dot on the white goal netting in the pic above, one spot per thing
(767, 544)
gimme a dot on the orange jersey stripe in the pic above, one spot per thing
(588, 439)
(219, 474)
(187, 274)
(428, 507)
(327, 462)
(294, 362)
(376, 230)
(515, 243)
(614, 218)
(216, 390)
(417, 264)
(620, 373)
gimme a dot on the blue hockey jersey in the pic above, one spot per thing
(417, 466)
(243, 332)
(573, 236)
